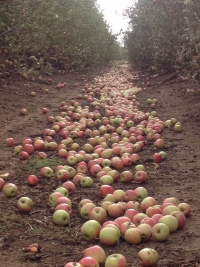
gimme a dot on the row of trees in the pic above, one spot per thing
(38, 36)
(165, 35)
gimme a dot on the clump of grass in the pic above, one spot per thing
(8, 221)
(36, 231)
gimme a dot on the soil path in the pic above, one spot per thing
(178, 176)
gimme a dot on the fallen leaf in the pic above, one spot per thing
(35, 247)
(4, 175)
(156, 166)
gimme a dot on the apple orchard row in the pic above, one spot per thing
(113, 142)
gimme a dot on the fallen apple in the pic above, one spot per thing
(25, 204)
(61, 217)
(148, 257)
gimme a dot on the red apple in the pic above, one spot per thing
(148, 221)
(156, 217)
(115, 210)
(153, 210)
(185, 208)
(29, 149)
(64, 206)
(180, 218)
(73, 264)
(148, 257)
(62, 175)
(129, 195)
(88, 262)
(105, 190)
(32, 180)
(23, 155)
(23, 112)
(63, 199)
(159, 143)
(146, 231)
(2, 183)
(69, 186)
(130, 213)
(96, 252)
(147, 202)
(141, 176)
(44, 110)
(10, 142)
(39, 144)
(133, 236)
(98, 214)
(126, 176)
(125, 226)
(121, 220)
(157, 157)
(138, 217)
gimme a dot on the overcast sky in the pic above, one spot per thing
(113, 12)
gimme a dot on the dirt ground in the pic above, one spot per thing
(178, 176)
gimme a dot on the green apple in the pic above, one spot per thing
(141, 193)
(139, 167)
(10, 189)
(148, 257)
(178, 127)
(116, 260)
(106, 180)
(71, 170)
(170, 221)
(149, 101)
(25, 204)
(147, 202)
(118, 193)
(167, 210)
(160, 232)
(47, 172)
(86, 182)
(98, 214)
(105, 204)
(173, 121)
(168, 123)
(61, 217)
(154, 113)
(53, 198)
(63, 191)
(90, 230)
(110, 197)
(163, 155)
(146, 231)
(83, 202)
(109, 236)
(85, 210)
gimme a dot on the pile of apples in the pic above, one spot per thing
(136, 216)
(95, 256)
(112, 142)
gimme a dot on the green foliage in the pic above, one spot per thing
(38, 36)
(164, 35)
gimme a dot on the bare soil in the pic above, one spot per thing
(178, 176)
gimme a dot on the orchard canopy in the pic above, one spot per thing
(164, 35)
(38, 35)
(41, 36)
